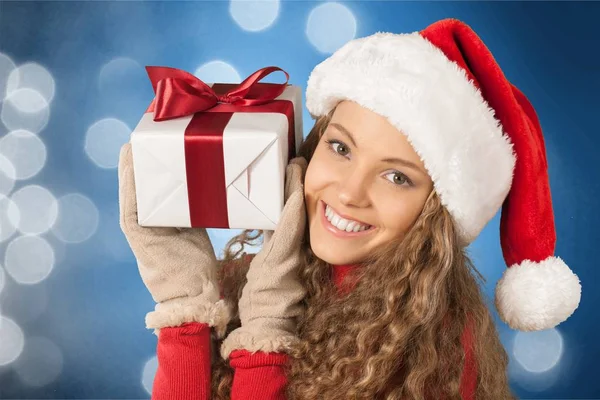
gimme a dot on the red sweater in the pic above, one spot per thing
(184, 365)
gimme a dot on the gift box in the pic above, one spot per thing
(214, 154)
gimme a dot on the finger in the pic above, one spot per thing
(267, 235)
(127, 198)
(300, 165)
(294, 179)
(299, 161)
(290, 177)
(290, 227)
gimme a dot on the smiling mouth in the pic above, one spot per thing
(335, 230)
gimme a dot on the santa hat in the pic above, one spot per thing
(481, 142)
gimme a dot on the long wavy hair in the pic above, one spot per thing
(397, 333)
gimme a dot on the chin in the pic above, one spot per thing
(331, 256)
(329, 249)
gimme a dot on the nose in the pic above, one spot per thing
(354, 189)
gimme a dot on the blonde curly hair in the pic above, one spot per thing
(397, 333)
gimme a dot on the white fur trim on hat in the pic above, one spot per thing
(534, 296)
(429, 98)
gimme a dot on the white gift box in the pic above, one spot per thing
(255, 154)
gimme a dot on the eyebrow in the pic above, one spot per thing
(406, 163)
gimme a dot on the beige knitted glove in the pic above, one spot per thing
(271, 298)
(177, 265)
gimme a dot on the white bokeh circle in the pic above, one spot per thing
(77, 218)
(29, 259)
(26, 302)
(538, 351)
(2, 278)
(329, 26)
(148, 373)
(32, 76)
(40, 363)
(10, 216)
(218, 72)
(8, 175)
(38, 209)
(26, 152)
(103, 141)
(25, 109)
(27, 100)
(7, 66)
(118, 71)
(12, 341)
(254, 15)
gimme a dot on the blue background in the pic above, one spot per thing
(95, 299)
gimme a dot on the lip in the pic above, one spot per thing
(335, 231)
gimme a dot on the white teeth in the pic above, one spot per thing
(341, 223)
(334, 221)
(354, 227)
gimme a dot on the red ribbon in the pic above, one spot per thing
(179, 93)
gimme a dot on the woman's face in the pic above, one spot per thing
(367, 172)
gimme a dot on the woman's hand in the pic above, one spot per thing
(177, 265)
(271, 298)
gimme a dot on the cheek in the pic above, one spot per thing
(309, 181)
(318, 175)
(397, 215)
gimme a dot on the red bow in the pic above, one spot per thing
(180, 93)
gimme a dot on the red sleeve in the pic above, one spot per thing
(261, 375)
(469, 378)
(258, 376)
(183, 354)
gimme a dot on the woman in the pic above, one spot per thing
(364, 289)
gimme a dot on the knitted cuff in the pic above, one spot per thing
(180, 310)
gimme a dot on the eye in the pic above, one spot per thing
(400, 179)
(341, 145)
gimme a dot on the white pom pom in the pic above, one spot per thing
(533, 296)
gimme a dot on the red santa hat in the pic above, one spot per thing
(481, 142)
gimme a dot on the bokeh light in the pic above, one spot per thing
(25, 151)
(218, 72)
(29, 259)
(7, 175)
(103, 141)
(32, 76)
(38, 209)
(329, 26)
(77, 218)
(7, 66)
(148, 373)
(25, 303)
(538, 351)
(2, 278)
(12, 341)
(254, 15)
(40, 363)
(118, 72)
(10, 216)
(25, 109)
